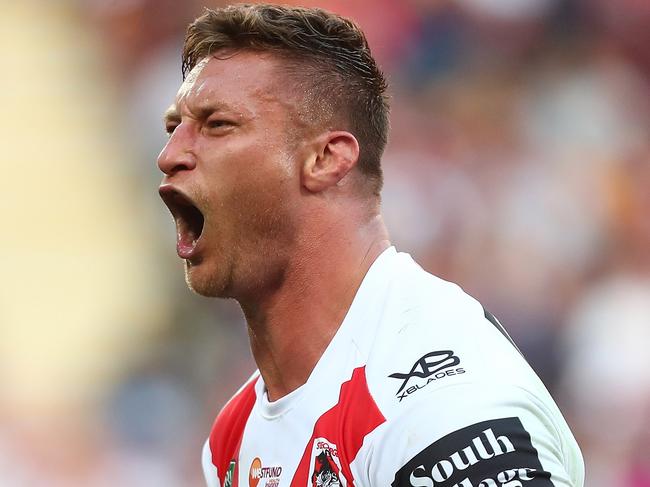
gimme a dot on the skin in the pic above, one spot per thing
(290, 228)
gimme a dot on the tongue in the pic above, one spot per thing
(186, 243)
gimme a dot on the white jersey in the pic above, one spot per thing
(419, 387)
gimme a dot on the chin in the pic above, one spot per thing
(205, 283)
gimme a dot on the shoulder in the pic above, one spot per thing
(210, 472)
(433, 335)
(237, 408)
(227, 430)
(451, 383)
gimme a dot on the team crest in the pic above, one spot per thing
(326, 469)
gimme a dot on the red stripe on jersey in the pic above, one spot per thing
(228, 430)
(345, 425)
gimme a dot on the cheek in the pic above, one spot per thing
(250, 178)
(267, 173)
(262, 208)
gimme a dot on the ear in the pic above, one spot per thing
(335, 155)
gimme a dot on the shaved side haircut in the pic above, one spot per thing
(325, 54)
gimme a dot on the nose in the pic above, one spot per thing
(177, 155)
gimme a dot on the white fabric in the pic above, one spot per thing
(209, 470)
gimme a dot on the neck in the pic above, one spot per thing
(291, 326)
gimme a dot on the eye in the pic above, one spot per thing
(217, 123)
(170, 127)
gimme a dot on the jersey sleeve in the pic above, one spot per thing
(470, 435)
(209, 470)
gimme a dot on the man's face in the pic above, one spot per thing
(232, 174)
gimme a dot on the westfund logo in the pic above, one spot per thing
(496, 453)
(432, 366)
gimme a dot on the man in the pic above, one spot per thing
(372, 372)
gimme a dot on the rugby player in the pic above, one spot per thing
(371, 372)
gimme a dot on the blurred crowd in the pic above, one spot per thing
(518, 166)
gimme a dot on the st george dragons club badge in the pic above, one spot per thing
(326, 466)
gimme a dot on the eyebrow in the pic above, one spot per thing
(172, 115)
(202, 112)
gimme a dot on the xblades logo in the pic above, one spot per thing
(431, 366)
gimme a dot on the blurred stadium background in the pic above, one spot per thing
(519, 167)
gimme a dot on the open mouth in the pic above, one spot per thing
(188, 218)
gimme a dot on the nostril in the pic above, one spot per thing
(174, 167)
(171, 162)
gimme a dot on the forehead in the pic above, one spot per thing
(244, 80)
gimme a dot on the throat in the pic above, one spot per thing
(287, 351)
(292, 324)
